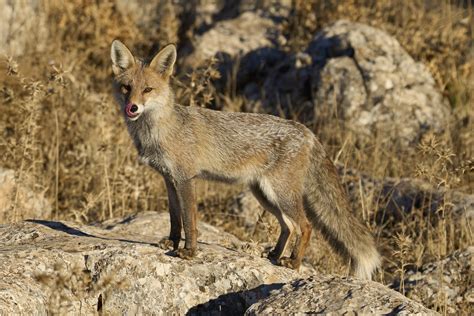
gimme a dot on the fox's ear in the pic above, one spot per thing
(122, 58)
(164, 61)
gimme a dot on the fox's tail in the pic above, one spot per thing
(328, 209)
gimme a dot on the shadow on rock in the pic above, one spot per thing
(76, 232)
(235, 303)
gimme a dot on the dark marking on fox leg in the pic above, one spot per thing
(175, 216)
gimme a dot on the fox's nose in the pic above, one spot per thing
(133, 108)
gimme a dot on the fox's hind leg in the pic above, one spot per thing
(293, 209)
(286, 227)
(289, 200)
(302, 240)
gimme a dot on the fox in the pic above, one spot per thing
(281, 161)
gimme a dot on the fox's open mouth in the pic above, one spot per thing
(131, 110)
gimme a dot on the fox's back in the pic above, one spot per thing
(236, 141)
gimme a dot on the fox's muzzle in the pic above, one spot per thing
(131, 110)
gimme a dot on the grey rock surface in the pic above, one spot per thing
(142, 12)
(245, 206)
(362, 75)
(235, 37)
(397, 98)
(22, 26)
(32, 203)
(447, 284)
(117, 268)
(336, 296)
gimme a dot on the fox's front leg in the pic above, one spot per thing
(175, 216)
(186, 198)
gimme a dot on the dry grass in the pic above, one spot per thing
(61, 127)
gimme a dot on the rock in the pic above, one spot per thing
(367, 77)
(336, 296)
(29, 203)
(142, 12)
(235, 37)
(246, 207)
(22, 26)
(117, 268)
(442, 284)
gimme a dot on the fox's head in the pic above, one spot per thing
(141, 87)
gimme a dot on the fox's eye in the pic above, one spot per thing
(125, 89)
(147, 90)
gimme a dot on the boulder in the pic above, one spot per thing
(336, 296)
(234, 38)
(118, 268)
(362, 75)
(443, 284)
(143, 13)
(29, 202)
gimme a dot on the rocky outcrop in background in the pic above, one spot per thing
(399, 197)
(19, 22)
(358, 71)
(232, 38)
(366, 75)
(447, 282)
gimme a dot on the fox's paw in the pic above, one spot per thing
(273, 255)
(289, 263)
(168, 244)
(184, 253)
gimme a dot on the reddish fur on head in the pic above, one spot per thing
(139, 84)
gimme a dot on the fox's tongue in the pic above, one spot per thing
(129, 111)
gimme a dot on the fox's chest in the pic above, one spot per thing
(152, 153)
(155, 157)
(160, 164)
